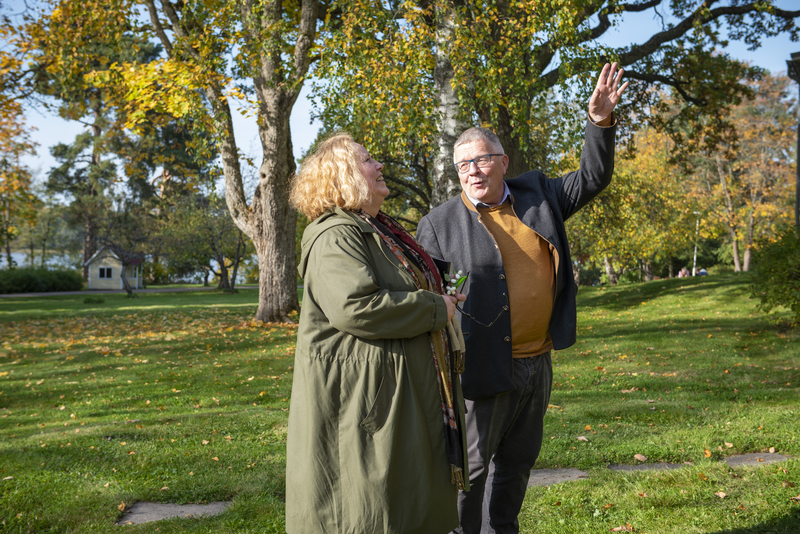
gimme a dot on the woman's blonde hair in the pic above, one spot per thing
(330, 177)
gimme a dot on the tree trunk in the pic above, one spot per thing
(517, 162)
(647, 270)
(748, 246)
(32, 252)
(224, 283)
(89, 244)
(241, 248)
(576, 264)
(45, 237)
(123, 276)
(731, 214)
(613, 277)
(671, 269)
(274, 237)
(445, 179)
(7, 236)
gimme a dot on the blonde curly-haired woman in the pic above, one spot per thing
(376, 438)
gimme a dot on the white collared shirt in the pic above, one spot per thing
(480, 204)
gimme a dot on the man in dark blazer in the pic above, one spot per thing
(510, 236)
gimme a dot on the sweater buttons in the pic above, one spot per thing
(505, 308)
(502, 277)
(507, 339)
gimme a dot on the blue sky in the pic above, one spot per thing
(637, 28)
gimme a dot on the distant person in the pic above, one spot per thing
(684, 272)
(376, 433)
(702, 272)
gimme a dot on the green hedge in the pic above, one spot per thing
(777, 273)
(39, 280)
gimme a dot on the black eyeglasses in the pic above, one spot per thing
(474, 320)
(480, 162)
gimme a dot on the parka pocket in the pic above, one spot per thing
(381, 406)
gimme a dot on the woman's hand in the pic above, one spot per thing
(451, 301)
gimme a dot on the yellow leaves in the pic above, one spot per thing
(623, 528)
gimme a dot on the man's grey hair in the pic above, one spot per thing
(479, 134)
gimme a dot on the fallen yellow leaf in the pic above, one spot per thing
(720, 494)
(640, 457)
(624, 528)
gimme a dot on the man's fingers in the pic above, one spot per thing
(618, 77)
(603, 78)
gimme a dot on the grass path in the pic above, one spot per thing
(179, 398)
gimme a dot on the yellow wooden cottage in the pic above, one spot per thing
(104, 271)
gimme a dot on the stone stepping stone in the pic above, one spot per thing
(548, 477)
(145, 512)
(645, 467)
(757, 459)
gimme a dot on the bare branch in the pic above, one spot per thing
(672, 82)
(157, 26)
(178, 28)
(305, 39)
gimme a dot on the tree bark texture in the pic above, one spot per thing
(445, 178)
(613, 277)
(89, 242)
(647, 270)
(731, 215)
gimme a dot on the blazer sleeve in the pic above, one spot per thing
(575, 189)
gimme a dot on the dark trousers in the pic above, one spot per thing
(504, 435)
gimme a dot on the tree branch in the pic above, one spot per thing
(159, 29)
(659, 78)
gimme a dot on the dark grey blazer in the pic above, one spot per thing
(453, 233)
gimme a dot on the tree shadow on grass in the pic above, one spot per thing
(790, 524)
(615, 298)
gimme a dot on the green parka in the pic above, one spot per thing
(366, 451)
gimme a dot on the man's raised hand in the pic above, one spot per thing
(607, 92)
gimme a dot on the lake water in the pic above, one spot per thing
(65, 261)
(60, 260)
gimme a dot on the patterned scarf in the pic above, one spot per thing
(406, 249)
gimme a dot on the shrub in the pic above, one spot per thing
(777, 273)
(39, 280)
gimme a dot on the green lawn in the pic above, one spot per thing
(177, 397)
